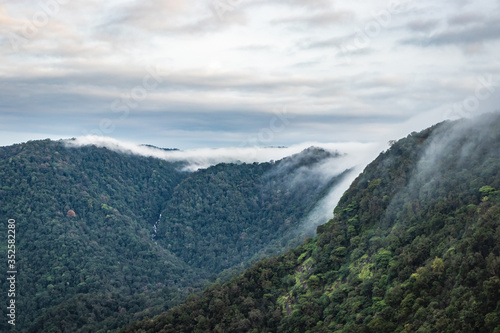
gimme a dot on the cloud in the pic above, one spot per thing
(254, 47)
(323, 19)
(203, 158)
(422, 25)
(463, 35)
(391, 81)
(223, 77)
(326, 43)
(173, 18)
(467, 140)
(323, 210)
(466, 18)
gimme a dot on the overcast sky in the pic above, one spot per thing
(231, 73)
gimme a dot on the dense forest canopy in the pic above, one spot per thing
(93, 253)
(414, 246)
(255, 198)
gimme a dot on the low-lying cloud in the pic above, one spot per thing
(353, 153)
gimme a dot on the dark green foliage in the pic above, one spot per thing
(414, 247)
(246, 302)
(105, 247)
(86, 254)
(220, 217)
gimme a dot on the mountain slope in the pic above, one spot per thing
(87, 254)
(104, 246)
(414, 246)
(221, 217)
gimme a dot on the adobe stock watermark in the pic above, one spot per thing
(221, 7)
(281, 120)
(30, 29)
(485, 88)
(129, 100)
(11, 271)
(364, 36)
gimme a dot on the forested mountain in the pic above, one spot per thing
(256, 198)
(414, 246)
(92, 253)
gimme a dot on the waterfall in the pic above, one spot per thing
(155, 228)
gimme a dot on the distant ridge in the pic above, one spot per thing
(155, 147)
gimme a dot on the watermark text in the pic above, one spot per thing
(11, 271)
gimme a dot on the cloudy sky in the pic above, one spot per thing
(231, 73)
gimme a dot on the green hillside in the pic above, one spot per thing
(104, 248)
(223, 216)
(87, 256)
(414, 247)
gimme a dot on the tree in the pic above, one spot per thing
(438, 266)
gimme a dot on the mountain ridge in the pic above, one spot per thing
(413, 246)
